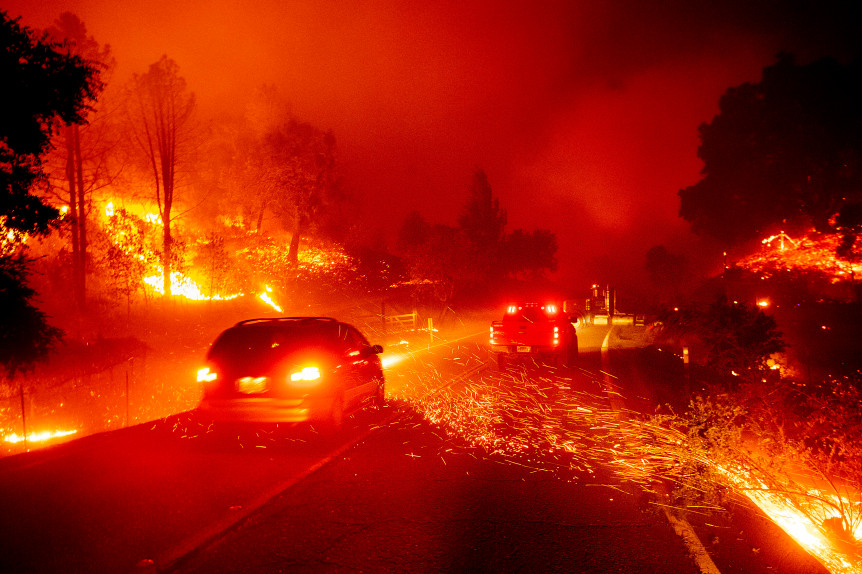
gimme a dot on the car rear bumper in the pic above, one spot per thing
(526, 349)
(266, 409)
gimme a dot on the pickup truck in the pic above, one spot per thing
(537, 331)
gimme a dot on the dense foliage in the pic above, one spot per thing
(448, 262)
(784, 153)
(43, 88)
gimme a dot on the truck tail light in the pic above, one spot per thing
(556, 335)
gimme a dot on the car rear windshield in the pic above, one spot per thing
(258, 341)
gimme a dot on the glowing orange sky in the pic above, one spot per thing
(583, 114)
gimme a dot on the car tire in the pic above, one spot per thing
(335, 419)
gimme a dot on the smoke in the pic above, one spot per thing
(584, 114)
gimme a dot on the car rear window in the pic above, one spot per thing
(258, 341)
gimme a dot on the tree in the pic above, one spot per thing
(484, 223)
(122, 252)
(666, 269)
(304, 163)
(414, 232)
(43, 88)
(528, 254)
(25, 335)
(784, 153)
(729, 336)
(160, 110)
(83, 164)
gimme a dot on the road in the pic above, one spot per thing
(431, 483)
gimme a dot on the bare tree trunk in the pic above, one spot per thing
(293, 250)
(166, 251)
(82, 222)
(73, 214)
(260, 216)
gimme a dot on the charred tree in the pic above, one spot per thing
(160, 114)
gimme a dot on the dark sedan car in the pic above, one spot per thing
(291, 369)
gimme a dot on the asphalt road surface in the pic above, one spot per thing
(427, 484)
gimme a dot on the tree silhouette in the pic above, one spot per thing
(482, 219)
(303, 160)
(82, 149)
(160, 110)
(527, 255)
(665, 269)
(784, 153)
(43, 88)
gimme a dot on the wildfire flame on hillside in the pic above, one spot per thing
(815, 252)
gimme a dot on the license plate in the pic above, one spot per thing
(252, 385)
(523, 348)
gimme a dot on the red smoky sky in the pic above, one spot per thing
(583, 114)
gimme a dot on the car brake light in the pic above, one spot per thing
(205, 375)
(307, 376)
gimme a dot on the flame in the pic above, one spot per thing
(265, 297)
(329, 260)
(183, 286)
(784, 511)
(815, 252)
(542, 422)
(43, 436)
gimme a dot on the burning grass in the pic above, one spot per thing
(538, 417)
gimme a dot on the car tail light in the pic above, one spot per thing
(305, 377)
(207, 375)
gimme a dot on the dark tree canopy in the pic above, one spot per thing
(785, 153)
(470, 259)
(414, 231)
(25, 335)
(304, 162)
(43, 86)
(482, 219)
(665, 268)
(529, 254)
